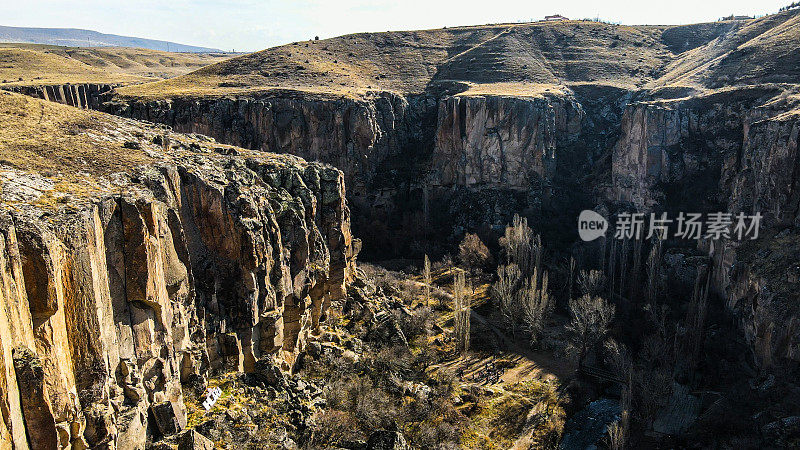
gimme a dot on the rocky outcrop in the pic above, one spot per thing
(736, 152)
(760, 279)
(202, 262)
(501, 141)
(355, 134)
(86, 96)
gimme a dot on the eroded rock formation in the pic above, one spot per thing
(204, 261)
(82, 95)
(734, 151)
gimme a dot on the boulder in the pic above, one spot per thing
(192, 440)
(166, 420)
(267, 371)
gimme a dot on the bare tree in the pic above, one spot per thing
(571, 276)
(522, 247)
(696, 317)
(591, 282)
(591, 317)
(474, 256)
(473, 253)
(621, 362)
(620, 430)
(505, 292)
(426, 278)
(461, 313)
(536, 305)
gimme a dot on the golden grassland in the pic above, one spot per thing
(49, 64)
(508, 59)
(407, 61)
(763, 50)
(45, 137)
(530, 90)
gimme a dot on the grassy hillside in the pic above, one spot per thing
(43, 137)
(563, 53)
(765, 50)
(78, 37)
(48, 64)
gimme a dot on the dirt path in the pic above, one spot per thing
(520, 361)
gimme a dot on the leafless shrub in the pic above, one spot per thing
(591, 282)
(462, 311)
(368, 404)
(652, 389)
(591, 317)
(445, 263)
(333, 426)
(616, 436)
(417, 324)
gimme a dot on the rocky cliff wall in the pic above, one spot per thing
(355, 135)
(114, 303)
(733, 152)
(405, 159)
(501, 141)
(86, 96)
(477, 159)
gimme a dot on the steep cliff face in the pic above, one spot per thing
(733, 152)
(761, 279)
(501, 141)
(683, 151)
(82, 95)
(114, 298)
(402, 157)
(354, 134)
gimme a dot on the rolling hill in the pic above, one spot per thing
(73, 37)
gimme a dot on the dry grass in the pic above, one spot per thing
(19, 66)
(756, 51)
(52, 153)
(49, 64)
(46, 137)
(514, 55)
(525, 415)
(514, 89)
(509, 59)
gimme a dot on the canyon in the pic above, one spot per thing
(428, 157)
(186, 232)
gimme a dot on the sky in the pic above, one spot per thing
(249, 25)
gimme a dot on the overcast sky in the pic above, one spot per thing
(249, 25)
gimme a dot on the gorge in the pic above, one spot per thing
(200, 226)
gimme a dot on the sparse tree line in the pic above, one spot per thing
(600, 292)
